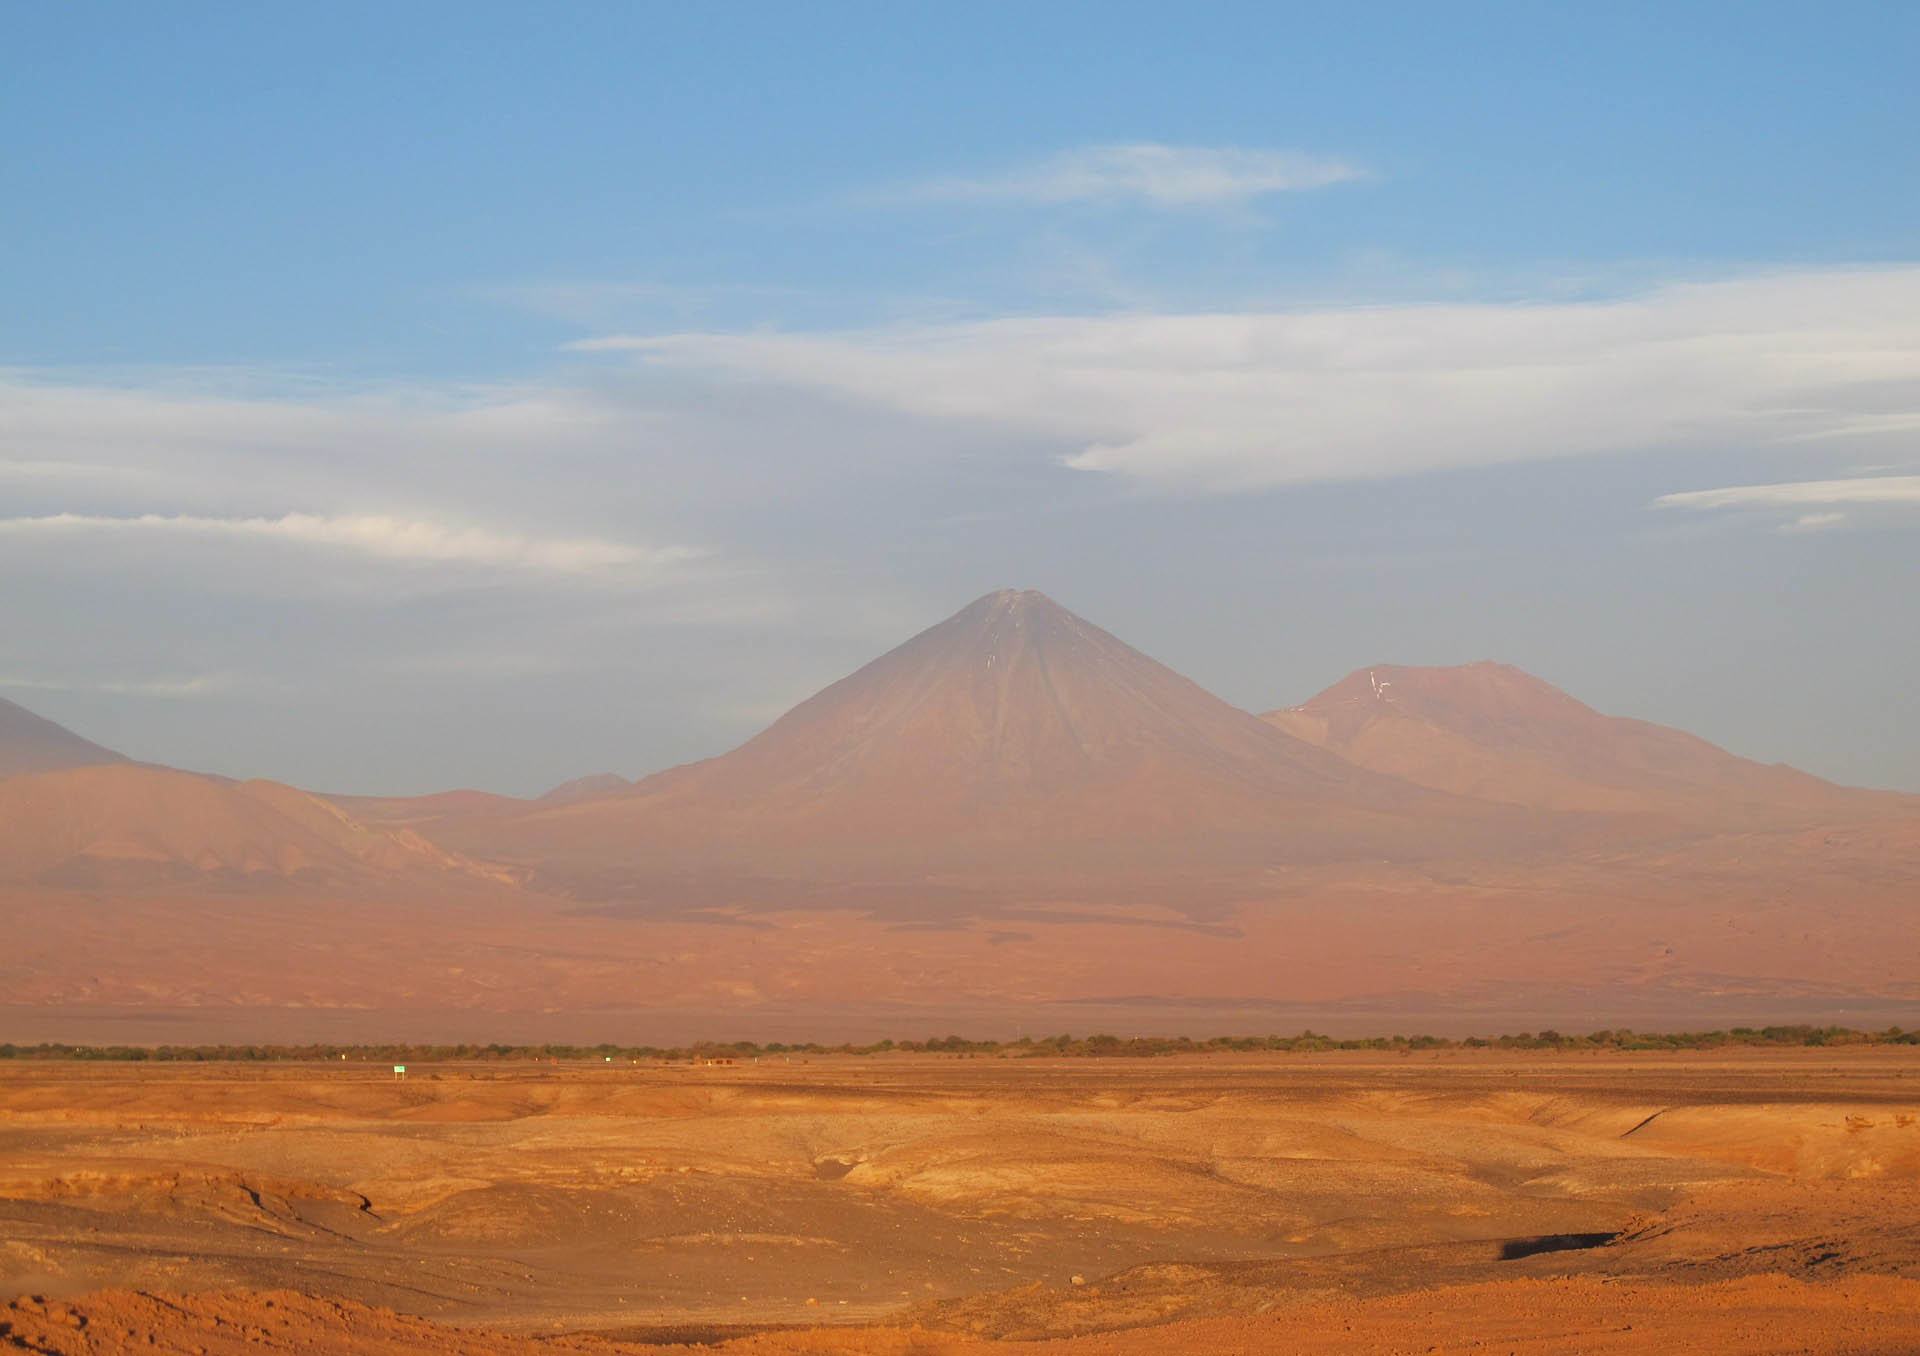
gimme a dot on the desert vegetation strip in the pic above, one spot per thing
(1026, 1047)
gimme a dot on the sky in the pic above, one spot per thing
(395, 398)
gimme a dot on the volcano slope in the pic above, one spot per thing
(30, 743)
(1752, 1201)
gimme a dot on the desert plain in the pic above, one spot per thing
(1754, 1200)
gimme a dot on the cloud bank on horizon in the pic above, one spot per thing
(1821, 363)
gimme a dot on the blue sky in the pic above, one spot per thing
(605, 378)
(371, 185)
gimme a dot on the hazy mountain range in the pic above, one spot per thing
(1012, 809)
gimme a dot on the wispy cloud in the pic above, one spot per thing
(1225, 402)
(1137, 172)
(1793, 494)
(375, 535)
(1800, 494)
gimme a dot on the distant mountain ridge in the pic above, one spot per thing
(135, 825)
(1493, 731)
(1011, 808)
(73, 813)
(1012, 737)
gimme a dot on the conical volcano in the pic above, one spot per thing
(1012, 738)
(1011, 705)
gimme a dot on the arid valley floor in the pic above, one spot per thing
(1458, 1200)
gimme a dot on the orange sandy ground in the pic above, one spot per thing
(1760, 1315)
(1754, 1202)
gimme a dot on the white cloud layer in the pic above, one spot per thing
(1140, 172)
(372, 535)
(1223, 402)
